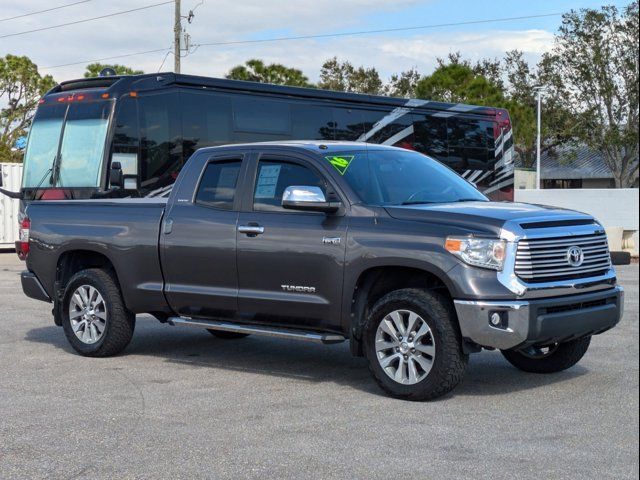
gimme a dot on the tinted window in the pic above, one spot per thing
(469, 143)
(311, 122)
(347, 123)
(218, 184)
(206, 120)
(382, 127)
(469, 133)
(431, 135)
(160, 140)
(272, 179)
(126, 140)
(261, 116)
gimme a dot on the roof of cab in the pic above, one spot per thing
(320, 147)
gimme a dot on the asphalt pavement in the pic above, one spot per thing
(180, 403)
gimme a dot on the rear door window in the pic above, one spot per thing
(218, 184)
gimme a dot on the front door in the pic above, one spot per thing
(290, 263)
(199, 245)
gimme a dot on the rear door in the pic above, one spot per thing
(199, 243)
(290, 263)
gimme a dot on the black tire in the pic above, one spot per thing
(559, 357)
(119, 324)
(449, 361)
(223, 334)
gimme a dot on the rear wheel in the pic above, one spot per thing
(412, 345)
(94, 318)
(227, 335)
(548, 358)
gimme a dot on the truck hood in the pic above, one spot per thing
(483, 217)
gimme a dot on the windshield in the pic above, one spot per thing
(401, 177)
(81, 150)
(42, 146)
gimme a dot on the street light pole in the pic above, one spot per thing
(539, 91)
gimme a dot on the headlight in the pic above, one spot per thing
(479, 252)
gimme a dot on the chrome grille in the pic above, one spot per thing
(546, 259)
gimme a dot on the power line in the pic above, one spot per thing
(43, 11)
(384, 30)
(105, 58)
(325, 35)
(85, 20)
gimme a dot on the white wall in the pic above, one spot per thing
(11, 180)
(613, 207)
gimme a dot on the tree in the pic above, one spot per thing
(21, 86)
(456, 81)
(256, 71)
(344, 77)
(593, 71)
(403, 84)
(558, 125)
(94, 69)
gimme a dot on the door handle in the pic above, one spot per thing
(251, 230)
(168, 226)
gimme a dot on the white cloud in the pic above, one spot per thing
(249, 19)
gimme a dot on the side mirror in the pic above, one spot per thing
(116, 178)
(309, 199)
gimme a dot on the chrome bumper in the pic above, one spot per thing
(540, 321)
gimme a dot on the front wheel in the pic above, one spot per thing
(413, 346)
(548, 358)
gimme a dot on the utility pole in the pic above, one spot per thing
(539, 91)
(177, 33)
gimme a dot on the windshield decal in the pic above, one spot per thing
(341, 162)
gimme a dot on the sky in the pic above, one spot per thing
(224, 21)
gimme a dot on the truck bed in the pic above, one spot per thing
(124, 231)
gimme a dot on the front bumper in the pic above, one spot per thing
(540, 321)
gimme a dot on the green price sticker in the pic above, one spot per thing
(340, 163)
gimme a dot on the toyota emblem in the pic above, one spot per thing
(575, 256)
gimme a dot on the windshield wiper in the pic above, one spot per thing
(470, 200)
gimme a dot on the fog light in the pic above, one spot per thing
(499, 319)
(495, 319)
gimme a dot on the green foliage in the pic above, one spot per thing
(344, 77)
(94, 69)
(403, 84)
(256, 71)
(592, 72)
(458, 81)
(21, 86)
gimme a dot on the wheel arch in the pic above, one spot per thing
(376, 281)
(71, 262)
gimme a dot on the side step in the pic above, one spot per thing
(325, 338)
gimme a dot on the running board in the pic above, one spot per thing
(257, 330)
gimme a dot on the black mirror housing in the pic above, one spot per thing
(116, 179)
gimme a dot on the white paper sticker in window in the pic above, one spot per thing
(267, 181)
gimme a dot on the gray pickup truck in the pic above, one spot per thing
(329, 242)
